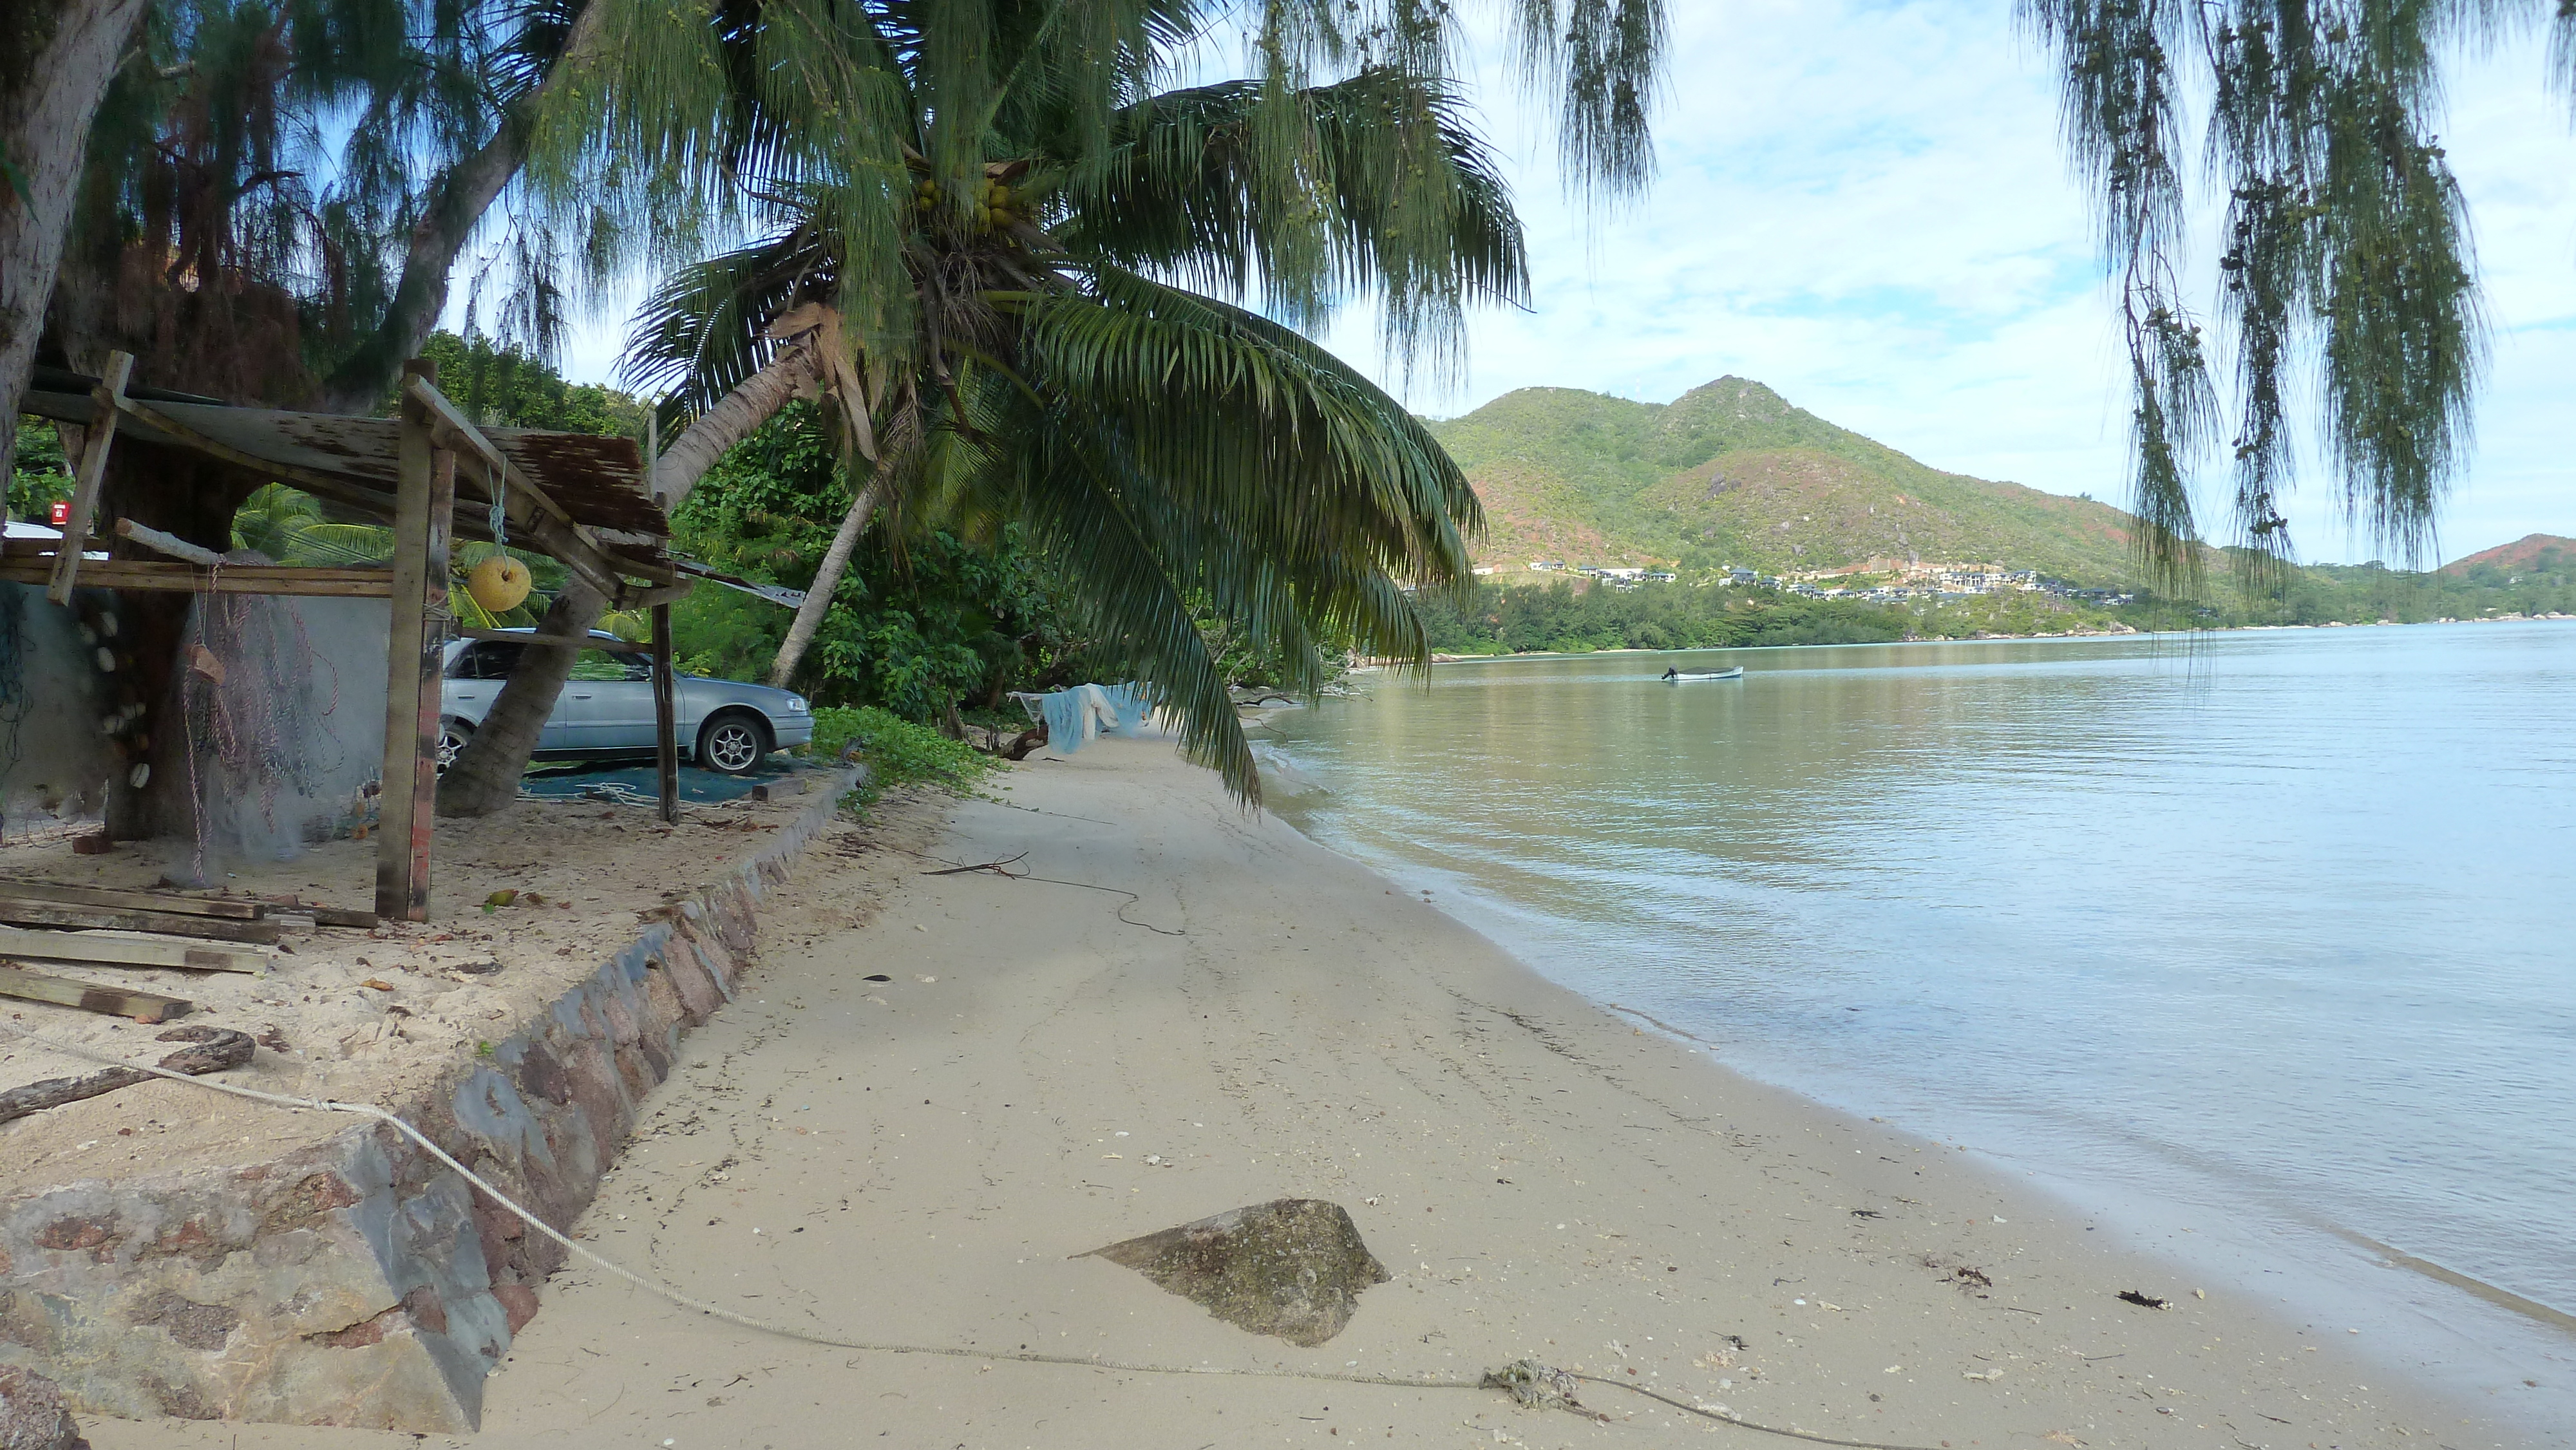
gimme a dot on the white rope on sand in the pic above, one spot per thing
(1526, 1381)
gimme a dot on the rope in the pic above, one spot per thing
(998, 868)
(1528, 1381)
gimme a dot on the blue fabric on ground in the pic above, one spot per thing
(629, 782)
(1073, 716)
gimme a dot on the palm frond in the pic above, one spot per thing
(1397, 195)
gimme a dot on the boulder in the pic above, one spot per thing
(1293, 1267)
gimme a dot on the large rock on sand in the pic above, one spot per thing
(1293, 1267)
(32, 1416)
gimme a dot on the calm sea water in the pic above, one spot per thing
(2263, 945)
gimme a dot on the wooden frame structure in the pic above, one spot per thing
(580, 499)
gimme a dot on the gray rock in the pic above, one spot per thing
(32, 1416)
(1293, 1267)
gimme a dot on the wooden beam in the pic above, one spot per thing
(549, 525)
(20, 911)
(156, 577)
(169, 544)
(217, 1048)
(666, 728)
(425, 477)
(127, 951)
(16, 981)
(324, 915)
(132, 900)
(521, 636)
(93, 475)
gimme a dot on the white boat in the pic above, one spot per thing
(1693, 677)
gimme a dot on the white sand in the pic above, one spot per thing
(916, 1161)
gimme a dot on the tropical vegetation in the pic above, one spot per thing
(1012, 263)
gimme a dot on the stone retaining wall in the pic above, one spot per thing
(359, 1281)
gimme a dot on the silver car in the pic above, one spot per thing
(606, 709)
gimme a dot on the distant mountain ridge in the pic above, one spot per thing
(1732, 473)
(2522, 553)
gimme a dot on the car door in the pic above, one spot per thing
(608, 702)
(474, 681)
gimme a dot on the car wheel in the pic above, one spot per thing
(452, 736)
(733, 742)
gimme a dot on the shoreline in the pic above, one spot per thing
(1450, 659)
(1048, 1069)
(2465, 1335)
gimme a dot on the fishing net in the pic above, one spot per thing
(279, 755)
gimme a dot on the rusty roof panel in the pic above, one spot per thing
(598, 480)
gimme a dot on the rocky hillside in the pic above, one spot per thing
(2522, 555)
(1730, 473)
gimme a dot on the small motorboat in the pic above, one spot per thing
(1693, 677)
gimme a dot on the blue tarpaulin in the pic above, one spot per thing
(635, 783)
(1073, 716)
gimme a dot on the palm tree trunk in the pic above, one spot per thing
(56, 58)
(486, 774)
(754, 402)
(818, 597)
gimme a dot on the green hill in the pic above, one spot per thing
(1731, 474)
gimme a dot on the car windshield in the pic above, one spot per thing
(600, 664)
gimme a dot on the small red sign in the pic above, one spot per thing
(62, 513)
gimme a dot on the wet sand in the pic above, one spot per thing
(1052, 1068)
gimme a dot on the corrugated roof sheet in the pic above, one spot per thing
(598, 480)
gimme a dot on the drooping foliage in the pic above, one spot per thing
(1056, 296)
(263, 175)
(2345, 246)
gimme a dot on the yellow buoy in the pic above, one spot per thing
(499, 583)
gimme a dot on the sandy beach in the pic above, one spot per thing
(1201, 1009)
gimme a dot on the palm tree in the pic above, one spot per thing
(1014, 270)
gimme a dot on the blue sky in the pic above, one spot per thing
(1865, 206)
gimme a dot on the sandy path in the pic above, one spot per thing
(914, 1161)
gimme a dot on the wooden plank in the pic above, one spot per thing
(22, 912)
(521, 636)
(127, 951)
(148, 575)
(93, 475)
(216, 1048)
(169, 544)
(132, 900)
(426, 477)
(17, 981)
(325, 915)
(666, 729)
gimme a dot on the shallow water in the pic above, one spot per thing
(2267, 936)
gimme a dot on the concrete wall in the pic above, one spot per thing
(359, 1281)
(54, 758)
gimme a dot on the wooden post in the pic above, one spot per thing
(666, 724)
(93, 473)
(424, 517)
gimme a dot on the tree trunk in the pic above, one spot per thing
(56, 58)
(453, 209)
(818, 597)
(486, 774)
(757, 400)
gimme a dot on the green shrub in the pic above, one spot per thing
(898, 752)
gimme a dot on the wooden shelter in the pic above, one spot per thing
(429, 473)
